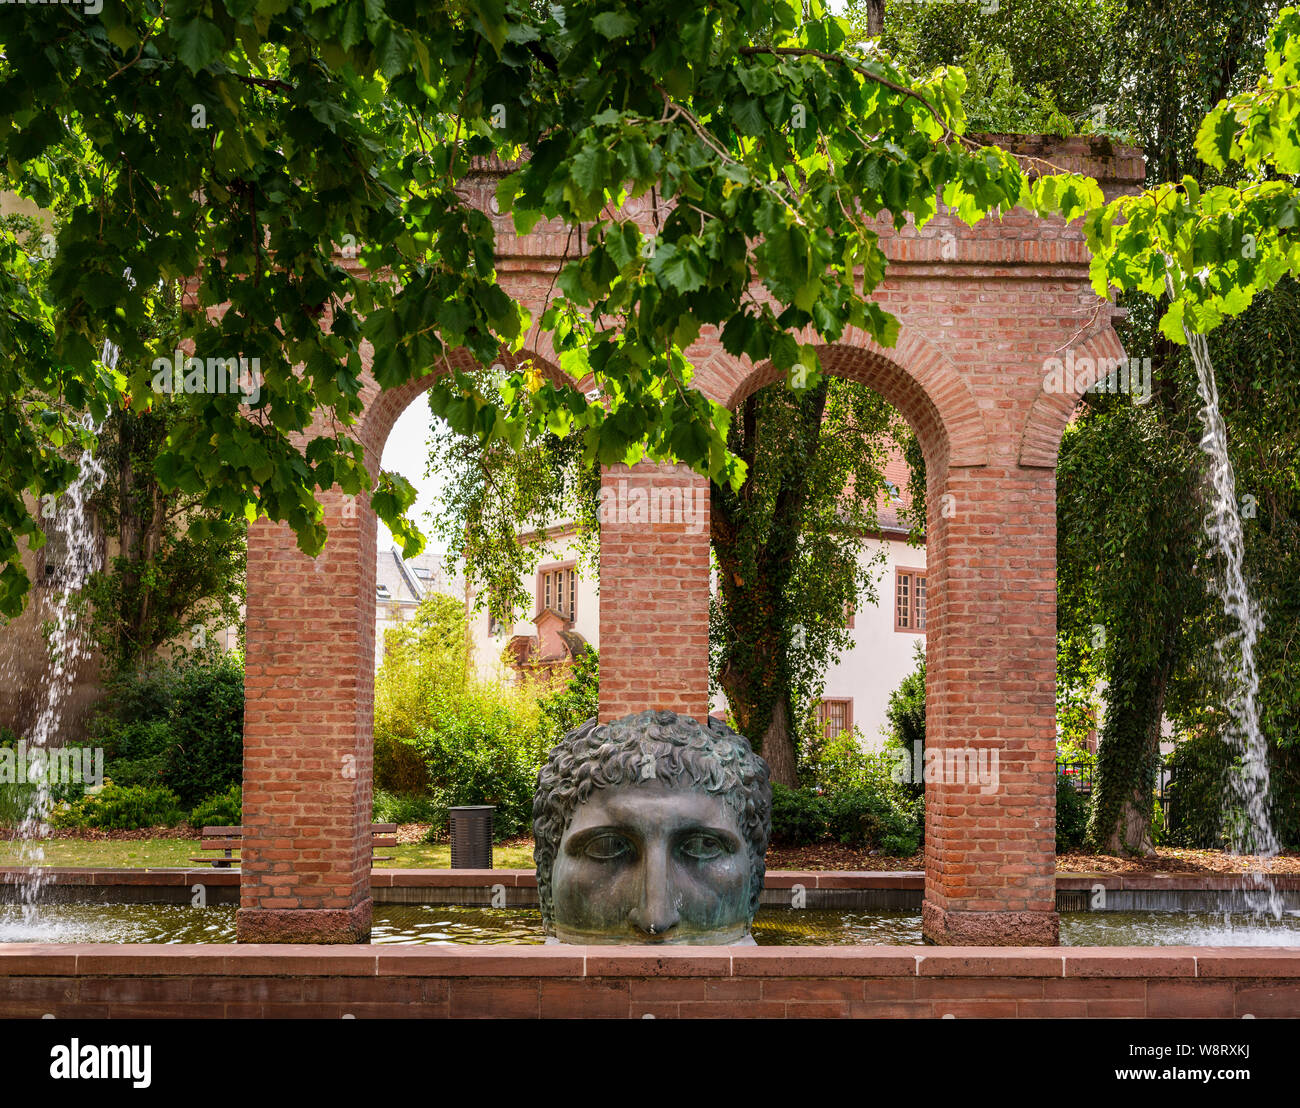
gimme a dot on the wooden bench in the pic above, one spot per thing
(228, 839)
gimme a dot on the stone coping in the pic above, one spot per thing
(527, 878)
(290, 960)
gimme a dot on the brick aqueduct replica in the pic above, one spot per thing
(981, 310)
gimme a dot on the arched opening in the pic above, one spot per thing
(990, 650)
(820, 600)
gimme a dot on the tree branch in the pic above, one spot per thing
(808, 52)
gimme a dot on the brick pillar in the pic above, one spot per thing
(654, 590)
(990, 857)
(308, 719)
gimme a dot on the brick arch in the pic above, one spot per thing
(914, 376)
(383, 407)
(1040, 441)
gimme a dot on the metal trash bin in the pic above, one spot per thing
(471, 836)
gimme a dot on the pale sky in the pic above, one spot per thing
(406, 452)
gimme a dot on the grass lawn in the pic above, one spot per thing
(171, 853)
(178, 852)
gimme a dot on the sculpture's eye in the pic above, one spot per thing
(607, 847)
(703, 847)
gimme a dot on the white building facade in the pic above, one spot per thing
(563, 616)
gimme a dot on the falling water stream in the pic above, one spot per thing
(67, 648)
(1249, 825)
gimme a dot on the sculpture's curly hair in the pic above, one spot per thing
(598, 756)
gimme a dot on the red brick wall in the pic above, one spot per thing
(308, 714)
(990, 691)
(605, 982)
(654, 591)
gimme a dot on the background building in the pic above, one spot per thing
(563, 615)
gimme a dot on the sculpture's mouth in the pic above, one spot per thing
(672, 936)
(650, 935)
(679, 935)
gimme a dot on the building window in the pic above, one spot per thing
(57, 562)
(909, 600)
(849, 611)
(557, 590)
(67, 559)
(835, 717)
(382, 593)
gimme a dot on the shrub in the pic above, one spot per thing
(16, 797)
(1071, 816)
(575, 703)
(179, 726)
(398, 767)
(866, 805)
(443, 737)
(906, 735)
(841, 763)
(1200, 765)
(1199, 787)
(1285, 778)
(220, 809)
(137, 752)
(15, 802)
(410, 808)
(864, 817)
(799, 816)
(207, 723)
(477, 755)
(424, 664)
(122, 808)
(906, 708)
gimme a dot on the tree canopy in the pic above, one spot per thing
(231, 146)
(222, 154)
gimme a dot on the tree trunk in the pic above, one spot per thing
(1128, 758)
(755, 566)
(1131, 835)
(776, 744)
(778, 748)
(875, 17)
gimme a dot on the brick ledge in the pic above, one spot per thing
(301, 960)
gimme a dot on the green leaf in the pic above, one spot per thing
(747, 115)
(614, 25)
(490, 17)
(198, 43)
(677, 267)
(1171, 323)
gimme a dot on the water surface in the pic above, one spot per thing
(422, 923)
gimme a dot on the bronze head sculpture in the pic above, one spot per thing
(651, 829)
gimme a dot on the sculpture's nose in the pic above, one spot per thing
(656, 915)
